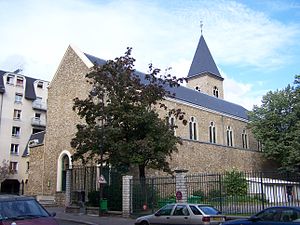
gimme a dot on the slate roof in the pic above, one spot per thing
(203, 61)
(29, 88)
(194, 97)
(37, 136)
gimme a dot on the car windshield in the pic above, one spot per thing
(21, 209)
(208, 210)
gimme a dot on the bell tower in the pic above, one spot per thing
(204, 75)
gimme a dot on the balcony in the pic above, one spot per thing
(39, 105)
(36, 121)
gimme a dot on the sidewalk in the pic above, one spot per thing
(82, 218)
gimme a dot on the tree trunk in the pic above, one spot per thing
(142, 172)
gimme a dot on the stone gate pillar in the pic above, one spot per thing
(126, 196)
(68, 187)
(181, 188)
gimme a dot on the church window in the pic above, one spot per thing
(171, 122)
(212, 132)
(229, 136)
(244, 139)
(193, 128)
(216, 92)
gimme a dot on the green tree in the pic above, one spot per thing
(235, 183)
(121, 117)
(276, 124)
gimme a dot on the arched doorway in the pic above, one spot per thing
(63, 164)
(10, 186)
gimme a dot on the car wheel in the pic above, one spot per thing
(144, 223)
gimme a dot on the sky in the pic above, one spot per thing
(255, 43)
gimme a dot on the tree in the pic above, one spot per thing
(4, 171)
(235, 183)
(276, 125)
(121, 117)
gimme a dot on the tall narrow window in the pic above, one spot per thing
(229, 136)
(20, 81)
(18, 98)
(216, 92)
(10, 79)
(16, 131)
(212, 132)
(17, 114)
(193, 128)
(244, 139)
(171, 123)
(65, 166)
(14, 149)
(13, 166)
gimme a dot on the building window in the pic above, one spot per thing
(37, 116)
(244, 139)
(212, 132)
(229, 136)
(193, 128)
(20, 81)
(13, 166)
(17, 114)
(18, 98)
(16, 131)
(259, 146)
(197, 89)
(216, 92)
(171, 123)
(27, 167)
(10, 79)
(40, 84)
(14, 149)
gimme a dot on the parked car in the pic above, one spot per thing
(21, 210)
(183, 213)
(282, 215)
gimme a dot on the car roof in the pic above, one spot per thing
(11, 197)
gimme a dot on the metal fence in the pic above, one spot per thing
(244, 192)
(150, 194)
(85, 187)
(233, 193)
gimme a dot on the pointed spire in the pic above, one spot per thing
(203, 60)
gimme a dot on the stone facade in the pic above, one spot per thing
(196, 156)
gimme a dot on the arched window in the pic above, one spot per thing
(229, 136)
(216, 92)
(244, 139)
(212, 132)
(171, 122)
(193, 128)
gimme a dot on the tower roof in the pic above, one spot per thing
(203, 61)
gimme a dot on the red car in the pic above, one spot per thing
(21, 210)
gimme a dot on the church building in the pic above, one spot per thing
(215, 139)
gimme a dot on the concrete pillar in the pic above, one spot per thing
(181, 188)
(68, 187)
(126, 196)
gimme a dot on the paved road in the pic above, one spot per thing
(63, 222)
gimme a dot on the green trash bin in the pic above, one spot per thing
(103, 205)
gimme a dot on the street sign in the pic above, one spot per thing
(102, 180)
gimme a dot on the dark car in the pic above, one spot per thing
(274, 215)
(20, 210)
(183, 213)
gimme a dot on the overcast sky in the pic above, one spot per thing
(255, 43)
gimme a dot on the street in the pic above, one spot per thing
(104, 221)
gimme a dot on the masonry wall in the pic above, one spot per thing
(69, 82)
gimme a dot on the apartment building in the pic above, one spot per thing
(23, 107)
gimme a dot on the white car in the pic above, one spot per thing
(183, 213)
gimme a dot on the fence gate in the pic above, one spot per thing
(150, 194)
(85, 187)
